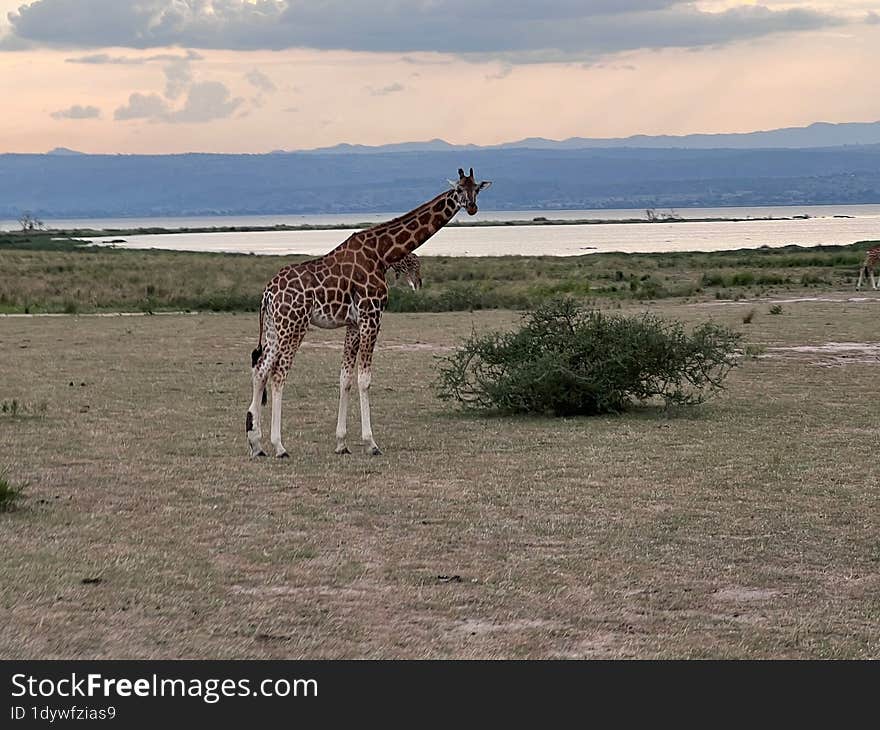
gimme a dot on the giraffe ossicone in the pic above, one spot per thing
(344, 288)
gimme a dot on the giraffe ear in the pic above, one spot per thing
(460, 172)
(483, 185)
(452, 183)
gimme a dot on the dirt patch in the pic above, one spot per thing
(830, 353)
(738, 594)
(269, 591)
(793, 300)
(418, 347)
(601, 645)
(475, 626)
(408, 347)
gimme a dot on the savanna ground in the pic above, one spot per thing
(746, 527)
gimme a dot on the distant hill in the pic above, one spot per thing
(819, 134)
(60, 185)
(63, 151)
(434, 145)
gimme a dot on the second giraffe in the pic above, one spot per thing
(344, 288)
(872, 257)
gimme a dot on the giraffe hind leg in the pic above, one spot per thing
(255, 358)
(259, 377)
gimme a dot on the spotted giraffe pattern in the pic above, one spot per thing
(344, 288)
(872, 258)
(409, 268)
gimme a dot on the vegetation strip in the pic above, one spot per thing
(41, 274)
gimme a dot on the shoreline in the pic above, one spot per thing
(534, 222)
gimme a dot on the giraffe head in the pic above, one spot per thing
(409, 268)
(467, 189)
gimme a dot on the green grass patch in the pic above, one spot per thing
(10, 495)
(14, 408)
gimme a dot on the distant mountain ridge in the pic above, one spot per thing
(818, 134)
(80, 186)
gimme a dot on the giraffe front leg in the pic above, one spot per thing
(369, 331)
(286, 352)
(275, 433)
(346, 376)
(364, 378)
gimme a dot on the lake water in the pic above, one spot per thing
(821, 227)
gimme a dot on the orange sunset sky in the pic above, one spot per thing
(161, 76)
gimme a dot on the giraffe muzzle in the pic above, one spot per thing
(471, 208)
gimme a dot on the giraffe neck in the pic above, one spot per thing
(390, 242)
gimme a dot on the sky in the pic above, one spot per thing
(252, 76)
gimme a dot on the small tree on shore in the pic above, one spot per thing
(29, 223)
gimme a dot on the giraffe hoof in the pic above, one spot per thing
(259, 453)
(282, 455)
(344, 450)
(374, 451)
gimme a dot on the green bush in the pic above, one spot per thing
(567, 360)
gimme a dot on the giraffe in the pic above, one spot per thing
(409, 268)
(344, 288)
(872, 258)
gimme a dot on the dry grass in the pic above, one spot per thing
(745, 528)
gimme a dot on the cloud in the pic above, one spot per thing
(152, 23)
(610, 66)
(260, 80)
(142, 106)
(205, 102)
(178, 77)
(106, 59)
(502, 73)
(426, 60)
(385, 90)
(77, 112)
(516, 32)
(9, 42)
